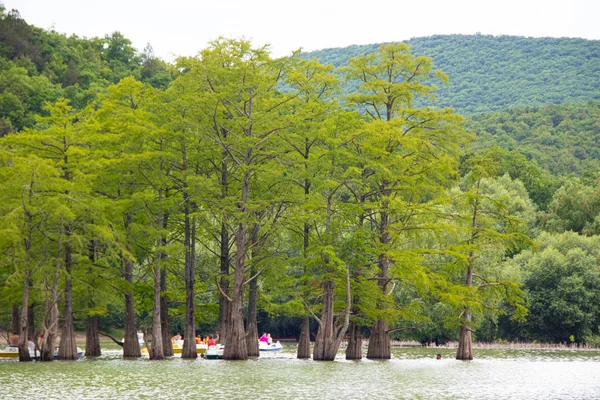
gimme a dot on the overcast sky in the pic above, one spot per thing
(183, 27)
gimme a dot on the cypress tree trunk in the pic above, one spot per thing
(157, 350)
(379, 341)
(235, 348)
(304, 341)
(164, 315)
(251, 323)
(131, 347)
(354, 349)
(51, 324)
(223, 324)
(329, 337)
(92, 338)
(31, 319)
(15, 320)
(68, 347)
(465, 351)
(324, 349)
(189, 335)
(23, 345)
(24, 332)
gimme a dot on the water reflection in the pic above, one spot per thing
(412, 373)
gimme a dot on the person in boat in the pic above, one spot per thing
(176, 339)
(269, 339)
(263, 339)
(140, 336)
(13, 340)
(31, 346)
(211, 341)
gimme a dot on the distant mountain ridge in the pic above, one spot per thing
(491, 73)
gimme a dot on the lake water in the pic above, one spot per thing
(413, 373)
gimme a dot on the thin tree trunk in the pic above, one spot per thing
(189, 334)
(51, 319)
(92, 337)
(164, 314)
(465, 351)
(15, 320)
(251, 322)
(157, 352)
(354, 349)
(24, 332)
(304, 340)
(223, 323)
(23, 345)
(31, 318)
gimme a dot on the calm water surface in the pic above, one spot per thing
(413, 373)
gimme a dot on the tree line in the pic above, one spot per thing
(248, 165)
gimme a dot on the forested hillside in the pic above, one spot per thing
(564, 139)
(489, 73)
(37, 66)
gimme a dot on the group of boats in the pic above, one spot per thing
(13, 352)
(204, 350)
(216, 352)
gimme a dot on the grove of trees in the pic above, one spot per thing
(234, 190)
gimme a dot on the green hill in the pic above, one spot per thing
(564, 139)
(490, 73)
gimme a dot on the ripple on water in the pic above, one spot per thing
(412, 373)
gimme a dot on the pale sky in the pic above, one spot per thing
(183, 27)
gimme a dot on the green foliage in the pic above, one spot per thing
(574, 207)
(39, 65)
(559, 138)
(489, 73)
(563, 283)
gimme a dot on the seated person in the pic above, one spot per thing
(13, 340)
(176, 339)
(211, 341)
(264, 338)
(269, 338)
(31, 346)
(198, 340)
